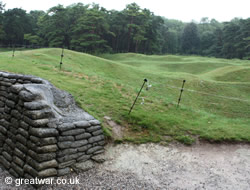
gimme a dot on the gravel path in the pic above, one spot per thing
(152, 166)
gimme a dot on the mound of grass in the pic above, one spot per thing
(242, 75)
(193, 68)
(212, 109)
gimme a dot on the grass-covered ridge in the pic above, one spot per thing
(107, 86)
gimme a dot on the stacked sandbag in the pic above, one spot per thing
(18, 134)
(7, 131)
(42, 142)
(13, 130)
(42, 131)
(78, 142)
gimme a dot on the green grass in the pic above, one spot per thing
(107, 86)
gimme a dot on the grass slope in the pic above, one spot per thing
(107, 86)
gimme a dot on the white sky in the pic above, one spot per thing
(184, 10)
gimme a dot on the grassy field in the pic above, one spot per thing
(215, 104)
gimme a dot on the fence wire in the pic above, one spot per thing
(165, 94)
(204, 93)
(227, 105)
(162, 86)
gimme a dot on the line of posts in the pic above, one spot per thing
(144, 81)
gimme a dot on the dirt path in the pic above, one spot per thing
(151, 166)
(198, 167)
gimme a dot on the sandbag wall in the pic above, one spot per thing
(42, 132)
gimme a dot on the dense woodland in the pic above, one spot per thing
(93, 29)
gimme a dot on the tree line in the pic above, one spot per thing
(93, 29)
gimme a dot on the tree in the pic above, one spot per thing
(34, 17)
(246, 37)
(118, 27)
(30, 39)
(2, 33)
(170, 44)
(171, 32)
(217, 45)
(153, 43)
(90, 30)
(1, 6)
(55, 27)
(190, 39)
(132, 11)
(230, 35)
(243, 39)
(16, 23)
(210, 37)
(93, 29)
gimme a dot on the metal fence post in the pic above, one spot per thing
(145, 80)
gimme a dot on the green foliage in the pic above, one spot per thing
(1, 6)
(89, 31)
(171, 33)
(185, 139)
(136, 25)
(15, 24)
(190, 40)
(93, 29)
(107, 132)
(2, 33)
(32, 39)
(54, 27)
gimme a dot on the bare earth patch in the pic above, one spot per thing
(117, 130)
(151, 166)
(201, 166)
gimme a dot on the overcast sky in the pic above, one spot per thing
(185, 10)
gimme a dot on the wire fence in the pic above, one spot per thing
(196, 100)
(209, 94)
(160, 87)
(169, 93)
(21, 47)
